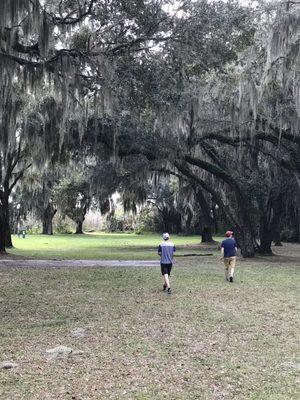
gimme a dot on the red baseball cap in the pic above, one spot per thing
(228, 233)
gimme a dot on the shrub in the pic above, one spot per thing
(119, 224)
(62, 226)
(147, 221)
(289, 234)
(33, 229)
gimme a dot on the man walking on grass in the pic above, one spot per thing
(228, 251)
(166, 251)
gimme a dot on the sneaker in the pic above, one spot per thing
(231, 279)
(169, 291)
(164, 287)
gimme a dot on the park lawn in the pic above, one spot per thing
(101, 246)
(208, 340)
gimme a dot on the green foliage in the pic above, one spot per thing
(33, 230)
(80, 40)
(119, 223)
(73, 196)
(69, 4)
(147, 221)
(99, 137)
(62, 226)
(129, 89)
(210, 34)
(289, 234)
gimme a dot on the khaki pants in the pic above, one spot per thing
(229, 263)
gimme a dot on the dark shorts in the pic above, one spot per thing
(166, 269)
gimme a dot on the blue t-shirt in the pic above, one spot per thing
(166, 250)
(229, 246)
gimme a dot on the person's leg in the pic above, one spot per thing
(169, 274)
(226, 273)
(231, 268)
(164, 283)
(164, 272)
(226, 265)
(167, 281)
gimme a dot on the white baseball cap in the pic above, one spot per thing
(166, 236)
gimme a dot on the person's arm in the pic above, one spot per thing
(159, 250)
(173, 256)
(222, 253)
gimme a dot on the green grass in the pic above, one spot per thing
(98, 246)
(209, 340)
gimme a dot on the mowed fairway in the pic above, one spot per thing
(207, 340)
(97, 246)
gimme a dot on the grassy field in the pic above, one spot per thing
(98, 246)
(208, 340)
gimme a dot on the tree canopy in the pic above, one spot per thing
(207, 93)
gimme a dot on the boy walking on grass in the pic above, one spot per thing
(228, 251)
(166, 252)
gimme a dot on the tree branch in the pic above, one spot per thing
(184, 169)
(19, 176)
(214, 170)
(67, 20)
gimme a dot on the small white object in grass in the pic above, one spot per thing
(78, 333)
(8, 365)
(59, 351)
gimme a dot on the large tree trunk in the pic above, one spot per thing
(208, 223)
(246, 243)
(206, 235)
(215, 218)
(238, 218)
(243, 228)
(277, 237)
(245, 232)
(81, 217)
(266, 234)
(277, 222)
(8, 240)
(79, 225)
(297, 222)
(269, 223)
(2, 232)
(6, 228)
(48, 216)
(47, 226)
(266, 239)
(297, 179)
